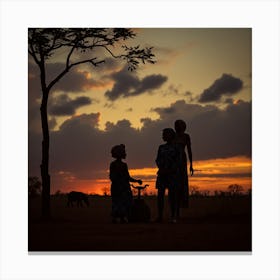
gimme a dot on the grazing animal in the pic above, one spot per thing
(78, 197)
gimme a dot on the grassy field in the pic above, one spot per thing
(212, 224)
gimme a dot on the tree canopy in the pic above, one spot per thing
(44, 42)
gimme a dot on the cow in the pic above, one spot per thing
(78, 197)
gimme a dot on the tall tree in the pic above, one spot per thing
(44, 43)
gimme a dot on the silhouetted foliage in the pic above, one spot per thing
(58, 193)
(222, 193)
(34, 186)
(106, 191)
(43, 43)
(194, 191)
(206, 193)
(235, 189)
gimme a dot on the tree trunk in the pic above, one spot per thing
(46, 213)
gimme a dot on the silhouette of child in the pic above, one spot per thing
(120, 187)
(183, 139)
(167, 161)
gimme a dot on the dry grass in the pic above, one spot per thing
(209, 224)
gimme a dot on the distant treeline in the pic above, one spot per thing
(35, 188)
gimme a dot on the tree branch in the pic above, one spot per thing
(69, 55)
(32, 52)
(55, 80)
(67, 68)
(34, 56)
(87, 61)
(109, 51)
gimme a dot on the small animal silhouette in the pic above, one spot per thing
(78, 197)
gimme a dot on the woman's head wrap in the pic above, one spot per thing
(117, 150)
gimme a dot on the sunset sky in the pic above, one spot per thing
(202, 76)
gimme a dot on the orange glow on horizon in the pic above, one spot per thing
(233, 165)
(215, 174)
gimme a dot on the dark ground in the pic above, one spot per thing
(215, 224)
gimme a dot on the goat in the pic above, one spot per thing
(79, 197)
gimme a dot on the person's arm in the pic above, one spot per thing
(158, 158)
(132, 179)
(189, 148)
(111, 174)
(135, 180)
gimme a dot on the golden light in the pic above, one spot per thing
(216, 174)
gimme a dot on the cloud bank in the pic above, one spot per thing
(226, 85)
(82, 149)
(65, 106)
(127, 84)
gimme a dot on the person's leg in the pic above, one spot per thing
(115, 210)
(127, 207)
(160, 202)
(179, 196)
(187, 196)
(172, 202)
(185, 190)
(177, 202)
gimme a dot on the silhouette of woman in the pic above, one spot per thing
(168, 161)
(120, 187)
(183, 139)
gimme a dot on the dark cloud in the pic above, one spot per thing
(150, 83)
(127, 84)
(84, 121)
(226, 85)
(74, 81)
(215, 132)
(58, 106)
(63, 105)
(183, 109)
(229, 101)
(80, 148)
